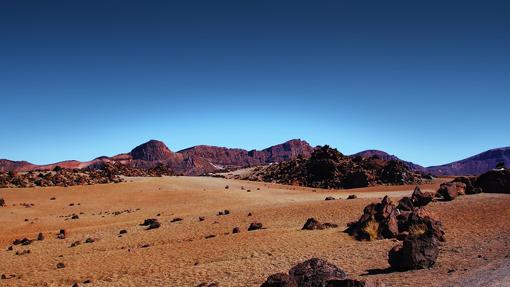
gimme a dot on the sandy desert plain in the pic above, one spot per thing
(476, 251)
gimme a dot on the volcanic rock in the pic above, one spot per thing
(2, 202)
(379, 220)
(449, 191)
(352, 283)
(279, 280)
(313, 224)
(315, 272)
(416, 252)
(40, 236)
(494, 181)
(420, 198)
(255, 226)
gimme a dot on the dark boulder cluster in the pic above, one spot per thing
(151, 223)
(314, 272)
(408, 221)
(106, 173)
(328, 168)
(389, 220)
(60, 177)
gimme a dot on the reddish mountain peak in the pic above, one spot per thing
(151, 151)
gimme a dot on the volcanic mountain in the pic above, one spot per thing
(474, 165)
(196, 160)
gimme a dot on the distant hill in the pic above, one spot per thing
(196, 160)
(474, 165)
(386, 156)
(203, 159)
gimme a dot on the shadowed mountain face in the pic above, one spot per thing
(474, 165)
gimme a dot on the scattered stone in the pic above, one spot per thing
(177, 219)
(40, 236)
(123, 231)
(61, 234)
(154, 225)
(148, 221)
(75, 216)
(313, 224)
(329, 198)
(76, 243)
(226, 187)
(2, 202)
(352, 196)
(210, 236)
(205, 284)
(255, 226)
(60, 265)
(24, 241)
(53, 198)
(201, 218)
(249, 214)
(27, 251)
(236, 230)
(90, 240)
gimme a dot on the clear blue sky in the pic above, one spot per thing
(428, 81)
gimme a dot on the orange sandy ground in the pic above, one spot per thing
(476, 253)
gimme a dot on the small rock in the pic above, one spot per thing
(329, 198)
(40, 236)
(176, 219)
(236, 230)
(352, 196)
(255, 226)
(60, 265)
(123, 231)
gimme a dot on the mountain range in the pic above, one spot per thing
(205, 159)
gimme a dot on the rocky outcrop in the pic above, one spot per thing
(387, 220)
(449, 191)
(379, 220)
(328, 168)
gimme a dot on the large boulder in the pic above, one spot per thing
(315, 272)
(279, 280)
(494, 181)
(449, 191)
(470, 182)
(416, 252)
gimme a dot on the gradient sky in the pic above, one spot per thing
(428, 81)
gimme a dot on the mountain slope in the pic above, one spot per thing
(474, 165)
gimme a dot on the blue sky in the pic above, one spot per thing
(428, 81)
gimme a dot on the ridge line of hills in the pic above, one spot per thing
(203, 159)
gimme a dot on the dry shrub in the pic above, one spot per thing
(371, 230)
(418, 229)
